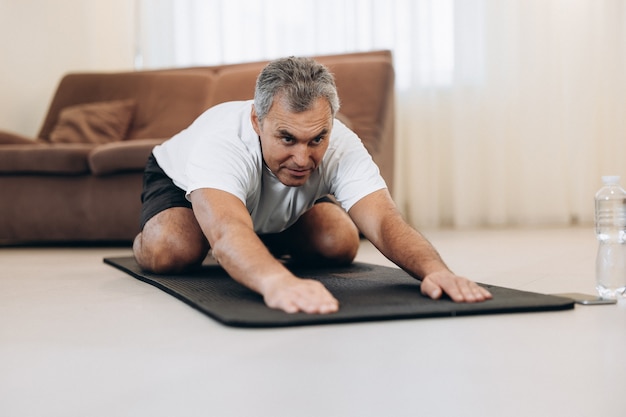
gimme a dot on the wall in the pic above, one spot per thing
(40, 40)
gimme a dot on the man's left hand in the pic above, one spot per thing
(459, 289)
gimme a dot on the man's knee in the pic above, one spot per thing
(326, 232)
(339, 245)
(170, 242)
(168, 257)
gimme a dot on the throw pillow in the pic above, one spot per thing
(98, 123)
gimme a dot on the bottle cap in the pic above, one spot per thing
(610, 179)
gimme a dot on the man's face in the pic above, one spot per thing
(294, 144)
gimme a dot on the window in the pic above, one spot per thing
(209, 32)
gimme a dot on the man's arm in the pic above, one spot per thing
(228, 227)
(379, 220)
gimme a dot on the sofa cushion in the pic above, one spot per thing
(100, 122)
(66, 159)
(124, 156)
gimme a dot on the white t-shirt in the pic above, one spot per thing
(221, 150)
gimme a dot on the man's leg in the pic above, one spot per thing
(325, 233)
(171, 239)
(170, 242)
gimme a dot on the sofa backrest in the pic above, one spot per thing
(167, 102)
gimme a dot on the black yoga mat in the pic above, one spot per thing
(365, 292)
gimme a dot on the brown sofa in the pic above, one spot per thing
(80, 179)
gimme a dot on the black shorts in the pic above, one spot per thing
(159, 192)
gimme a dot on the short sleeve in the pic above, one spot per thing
(350, 171)
(222, 163)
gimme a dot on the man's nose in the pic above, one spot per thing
(301, 155)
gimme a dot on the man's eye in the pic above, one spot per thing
(318, 140)
(287, 139)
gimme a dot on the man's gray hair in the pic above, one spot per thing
(298, 81)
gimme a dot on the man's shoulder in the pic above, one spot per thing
(231, 119)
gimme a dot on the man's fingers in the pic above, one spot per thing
(324, 308)
(483, 293)
(476, 293)
(314, 307)
(459, 289)
(316, 299)
(465, 291)
(430, 289)
(305, 296)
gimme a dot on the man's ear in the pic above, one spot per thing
(256, 125)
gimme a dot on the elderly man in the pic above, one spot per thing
(250, 180)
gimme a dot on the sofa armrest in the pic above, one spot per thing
(8, 138)
(130, 155)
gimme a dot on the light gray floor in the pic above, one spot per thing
(79, 338)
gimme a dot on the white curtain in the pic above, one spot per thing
(508, 111)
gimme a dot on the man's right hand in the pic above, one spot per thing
(226, 223)
(293, 295)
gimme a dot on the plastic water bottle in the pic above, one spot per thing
(611, 234)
